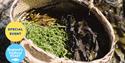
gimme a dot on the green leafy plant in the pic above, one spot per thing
(51, 39)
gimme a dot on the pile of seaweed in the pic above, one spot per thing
(84, 37)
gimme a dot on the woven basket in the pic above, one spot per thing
(38, 55)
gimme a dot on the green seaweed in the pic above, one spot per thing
(51, 39)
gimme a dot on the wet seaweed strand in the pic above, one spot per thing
(82, 40)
